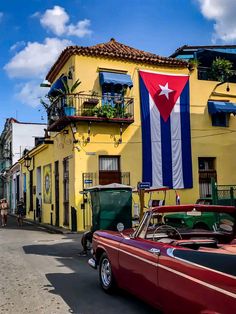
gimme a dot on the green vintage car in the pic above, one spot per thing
(200, 220)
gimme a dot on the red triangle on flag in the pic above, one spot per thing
(164, 89)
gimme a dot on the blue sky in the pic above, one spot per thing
(34, 32)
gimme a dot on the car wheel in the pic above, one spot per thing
(105, 274)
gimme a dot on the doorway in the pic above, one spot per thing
(66, 191)
(31, 196)
(39, 194)
(57, 195)
(109, 169)
(206, 171)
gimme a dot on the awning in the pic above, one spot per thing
(115, 78)
(58, 85)
(221, 107)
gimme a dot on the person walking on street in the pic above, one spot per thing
(20, 211)
(4, 210)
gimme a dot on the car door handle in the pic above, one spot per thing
(154, 251)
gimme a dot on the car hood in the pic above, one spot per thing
(177, 215)
(104, 233)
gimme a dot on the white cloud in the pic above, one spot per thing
(223, 14)
(33, 62)
(30, 93)
(35, 59)
(81, 29)
(18, 45)
(56, 20)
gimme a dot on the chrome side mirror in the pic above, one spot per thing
(120, 226)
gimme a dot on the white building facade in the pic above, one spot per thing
(15, 139)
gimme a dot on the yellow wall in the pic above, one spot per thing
(62, 148)
(207, 141)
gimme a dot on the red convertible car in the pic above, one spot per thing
(177, 270)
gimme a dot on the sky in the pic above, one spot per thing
(34, 33)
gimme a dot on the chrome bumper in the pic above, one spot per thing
(92, 263)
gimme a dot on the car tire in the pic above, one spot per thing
(106, 278)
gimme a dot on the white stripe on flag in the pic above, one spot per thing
(155, 125)
(176, 146)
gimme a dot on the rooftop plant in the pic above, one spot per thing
(221, 70)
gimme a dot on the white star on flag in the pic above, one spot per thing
(165, 90)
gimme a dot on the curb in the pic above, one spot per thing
(53, 229)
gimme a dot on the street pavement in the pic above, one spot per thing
(42, 272)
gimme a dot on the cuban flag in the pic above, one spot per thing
(166, 134)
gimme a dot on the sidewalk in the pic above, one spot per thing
(49, 227)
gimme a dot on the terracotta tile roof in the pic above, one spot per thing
(113, 50)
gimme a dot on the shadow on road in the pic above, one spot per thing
(79, 286)
(83, 300)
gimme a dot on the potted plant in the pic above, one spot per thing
(193, 64)
(51, 107)
(91, 101)
(69, 109)
(106, 111)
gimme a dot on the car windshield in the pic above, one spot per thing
(156, 224)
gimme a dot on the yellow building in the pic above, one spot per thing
(95, 135)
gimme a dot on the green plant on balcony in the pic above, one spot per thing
(89, 112)
(53, 112)
(67, 97)
(68, 90)
(46, 104)
(105, 111)
(128, 115)
(122, 109)
(221, 70)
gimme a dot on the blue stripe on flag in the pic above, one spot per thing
(186, 138)
(166, 153)
(146, 133)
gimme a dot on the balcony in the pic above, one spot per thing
(81, 107)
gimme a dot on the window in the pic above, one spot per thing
(109, 169)
(112, 94)
(220, 119)
(38, 140)
(207, 163)
(206, 171)
(108, 163)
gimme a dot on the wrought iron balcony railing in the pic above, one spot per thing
(88, 107)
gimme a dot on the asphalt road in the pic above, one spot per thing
(41, 272)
